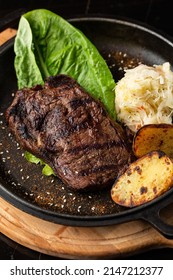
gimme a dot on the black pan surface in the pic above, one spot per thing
(124, 45)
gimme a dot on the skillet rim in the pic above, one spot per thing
(102, 220)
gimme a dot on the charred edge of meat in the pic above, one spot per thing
(60, 81)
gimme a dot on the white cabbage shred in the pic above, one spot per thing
(145, 96)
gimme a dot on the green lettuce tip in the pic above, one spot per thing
(47, 170)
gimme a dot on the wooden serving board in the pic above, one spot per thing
(69, 242)
(117, 241)
(6, 35)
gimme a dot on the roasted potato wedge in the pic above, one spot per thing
(153, 137)
(145, 179)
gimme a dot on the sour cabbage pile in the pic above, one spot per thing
(145, 96)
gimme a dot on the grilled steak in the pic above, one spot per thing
(65, 127)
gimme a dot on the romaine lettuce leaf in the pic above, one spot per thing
(47, 45)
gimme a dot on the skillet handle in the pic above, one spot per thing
(152, 215)
(11, 19)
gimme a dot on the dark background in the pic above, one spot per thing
(155, 13)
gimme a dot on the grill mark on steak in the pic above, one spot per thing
(95, 146)
(75, 103)
(97, 169)
(64, 126)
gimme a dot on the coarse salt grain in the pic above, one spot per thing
(79, 208)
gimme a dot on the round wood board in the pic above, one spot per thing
(68, 242)
(108, 242)
(6, 35)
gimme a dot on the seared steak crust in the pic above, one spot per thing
(65, 127)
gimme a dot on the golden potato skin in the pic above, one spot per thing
(153, 137)
(145, 179)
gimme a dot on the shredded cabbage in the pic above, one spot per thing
(145, 96)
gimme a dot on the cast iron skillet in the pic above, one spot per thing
(122, 44)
